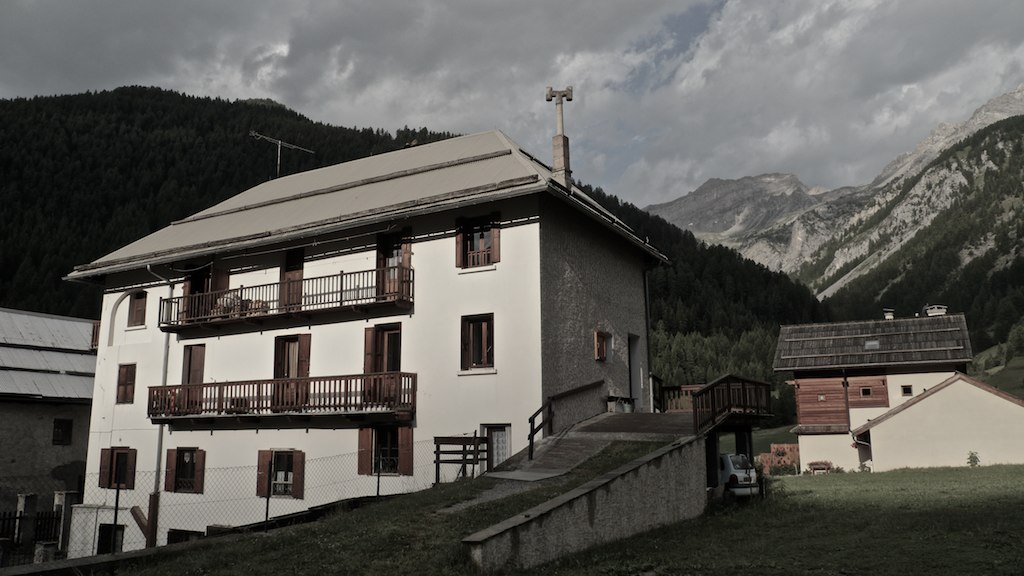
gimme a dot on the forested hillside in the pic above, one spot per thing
(971, 256)
(86, 174)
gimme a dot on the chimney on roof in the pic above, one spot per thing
(889, 313)
(560, 143)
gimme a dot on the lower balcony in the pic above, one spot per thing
(313, 402)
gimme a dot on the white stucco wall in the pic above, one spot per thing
(894, 386)
(942, 429)
(834, 448)
(449, 401)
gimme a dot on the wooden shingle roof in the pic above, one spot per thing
(898, 342)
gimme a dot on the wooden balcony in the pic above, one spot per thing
(357, 293)
(730, 398)
(313, 402)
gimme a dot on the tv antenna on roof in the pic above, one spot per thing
(279, 143)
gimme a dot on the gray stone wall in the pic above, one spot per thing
(29, 462)
(591, 279)
(661, 488)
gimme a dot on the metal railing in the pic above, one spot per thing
(717, 400)
(378, 392)
(392, 284)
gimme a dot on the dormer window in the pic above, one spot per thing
(871, 345)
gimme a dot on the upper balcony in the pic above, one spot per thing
(356, 294)
(312, 402)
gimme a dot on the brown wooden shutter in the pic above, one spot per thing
(406, 254)
(465, 362)
(219, 279)
(369, 337)
(129, 473)
(365, 465)
(495, 243)
(198, 481)
(196, 364)
(304, 342)
(405, 451)
(263, 472)
(172, 461)
(298, 474)
(126, 383)
(104, 468)
(459, 249)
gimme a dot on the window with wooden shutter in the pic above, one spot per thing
(192, 373)
(600, 345)
(477, 245)
(386, 450)
(477, 341)
(405, 451)
(137, 309)
(117, 468)
(365, 460)
(126, 383)
(185, 470)
(263, 473)
(281, 473)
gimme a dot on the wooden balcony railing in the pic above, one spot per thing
(393, 284)
(359, 393)
(729, 395)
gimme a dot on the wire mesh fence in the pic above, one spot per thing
(119, 519)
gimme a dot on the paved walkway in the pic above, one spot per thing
(559, 454)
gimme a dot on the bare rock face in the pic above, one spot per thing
(775, 220)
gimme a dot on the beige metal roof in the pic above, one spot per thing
(45, 356)
(431, 177)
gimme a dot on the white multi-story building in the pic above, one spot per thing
(360, 309)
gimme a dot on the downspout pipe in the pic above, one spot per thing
(163, 382)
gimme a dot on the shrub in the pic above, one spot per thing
(972, 459)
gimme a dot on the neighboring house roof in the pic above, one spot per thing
(428, 178)
(898, 342)
(933, 391)
(45, 356)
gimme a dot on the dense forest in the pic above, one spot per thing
(86, 174)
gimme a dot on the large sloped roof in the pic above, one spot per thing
(899, 342)
(432, 177)
(45, 356)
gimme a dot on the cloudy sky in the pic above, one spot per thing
(667, 94)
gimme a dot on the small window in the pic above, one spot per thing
(478, 341)
(185, 470)
(865, 391)
(907, 390)
(871, 345)
(281, 473)
(126, 383)
(175, 536)
(137, 310)
(62, 431)
(601, 345)
(821, 397)
(110, 538)
(477, 245)
(386, 450)
(117, 468)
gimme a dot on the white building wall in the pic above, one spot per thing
(834, 448)
(449, 401)
(918, 383)
(942, 429)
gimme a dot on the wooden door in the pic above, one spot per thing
(291, 281)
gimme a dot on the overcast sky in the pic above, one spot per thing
(667, 94)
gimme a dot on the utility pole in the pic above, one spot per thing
(279, 143)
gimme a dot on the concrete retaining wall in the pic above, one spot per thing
(663, 487)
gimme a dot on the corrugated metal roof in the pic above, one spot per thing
(899, 342)
(45, 385)
(431, 177)
(46, 360)
(44, 330)
(37, 352)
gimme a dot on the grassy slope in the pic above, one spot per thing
(939, 521)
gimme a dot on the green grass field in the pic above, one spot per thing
(941, 521)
